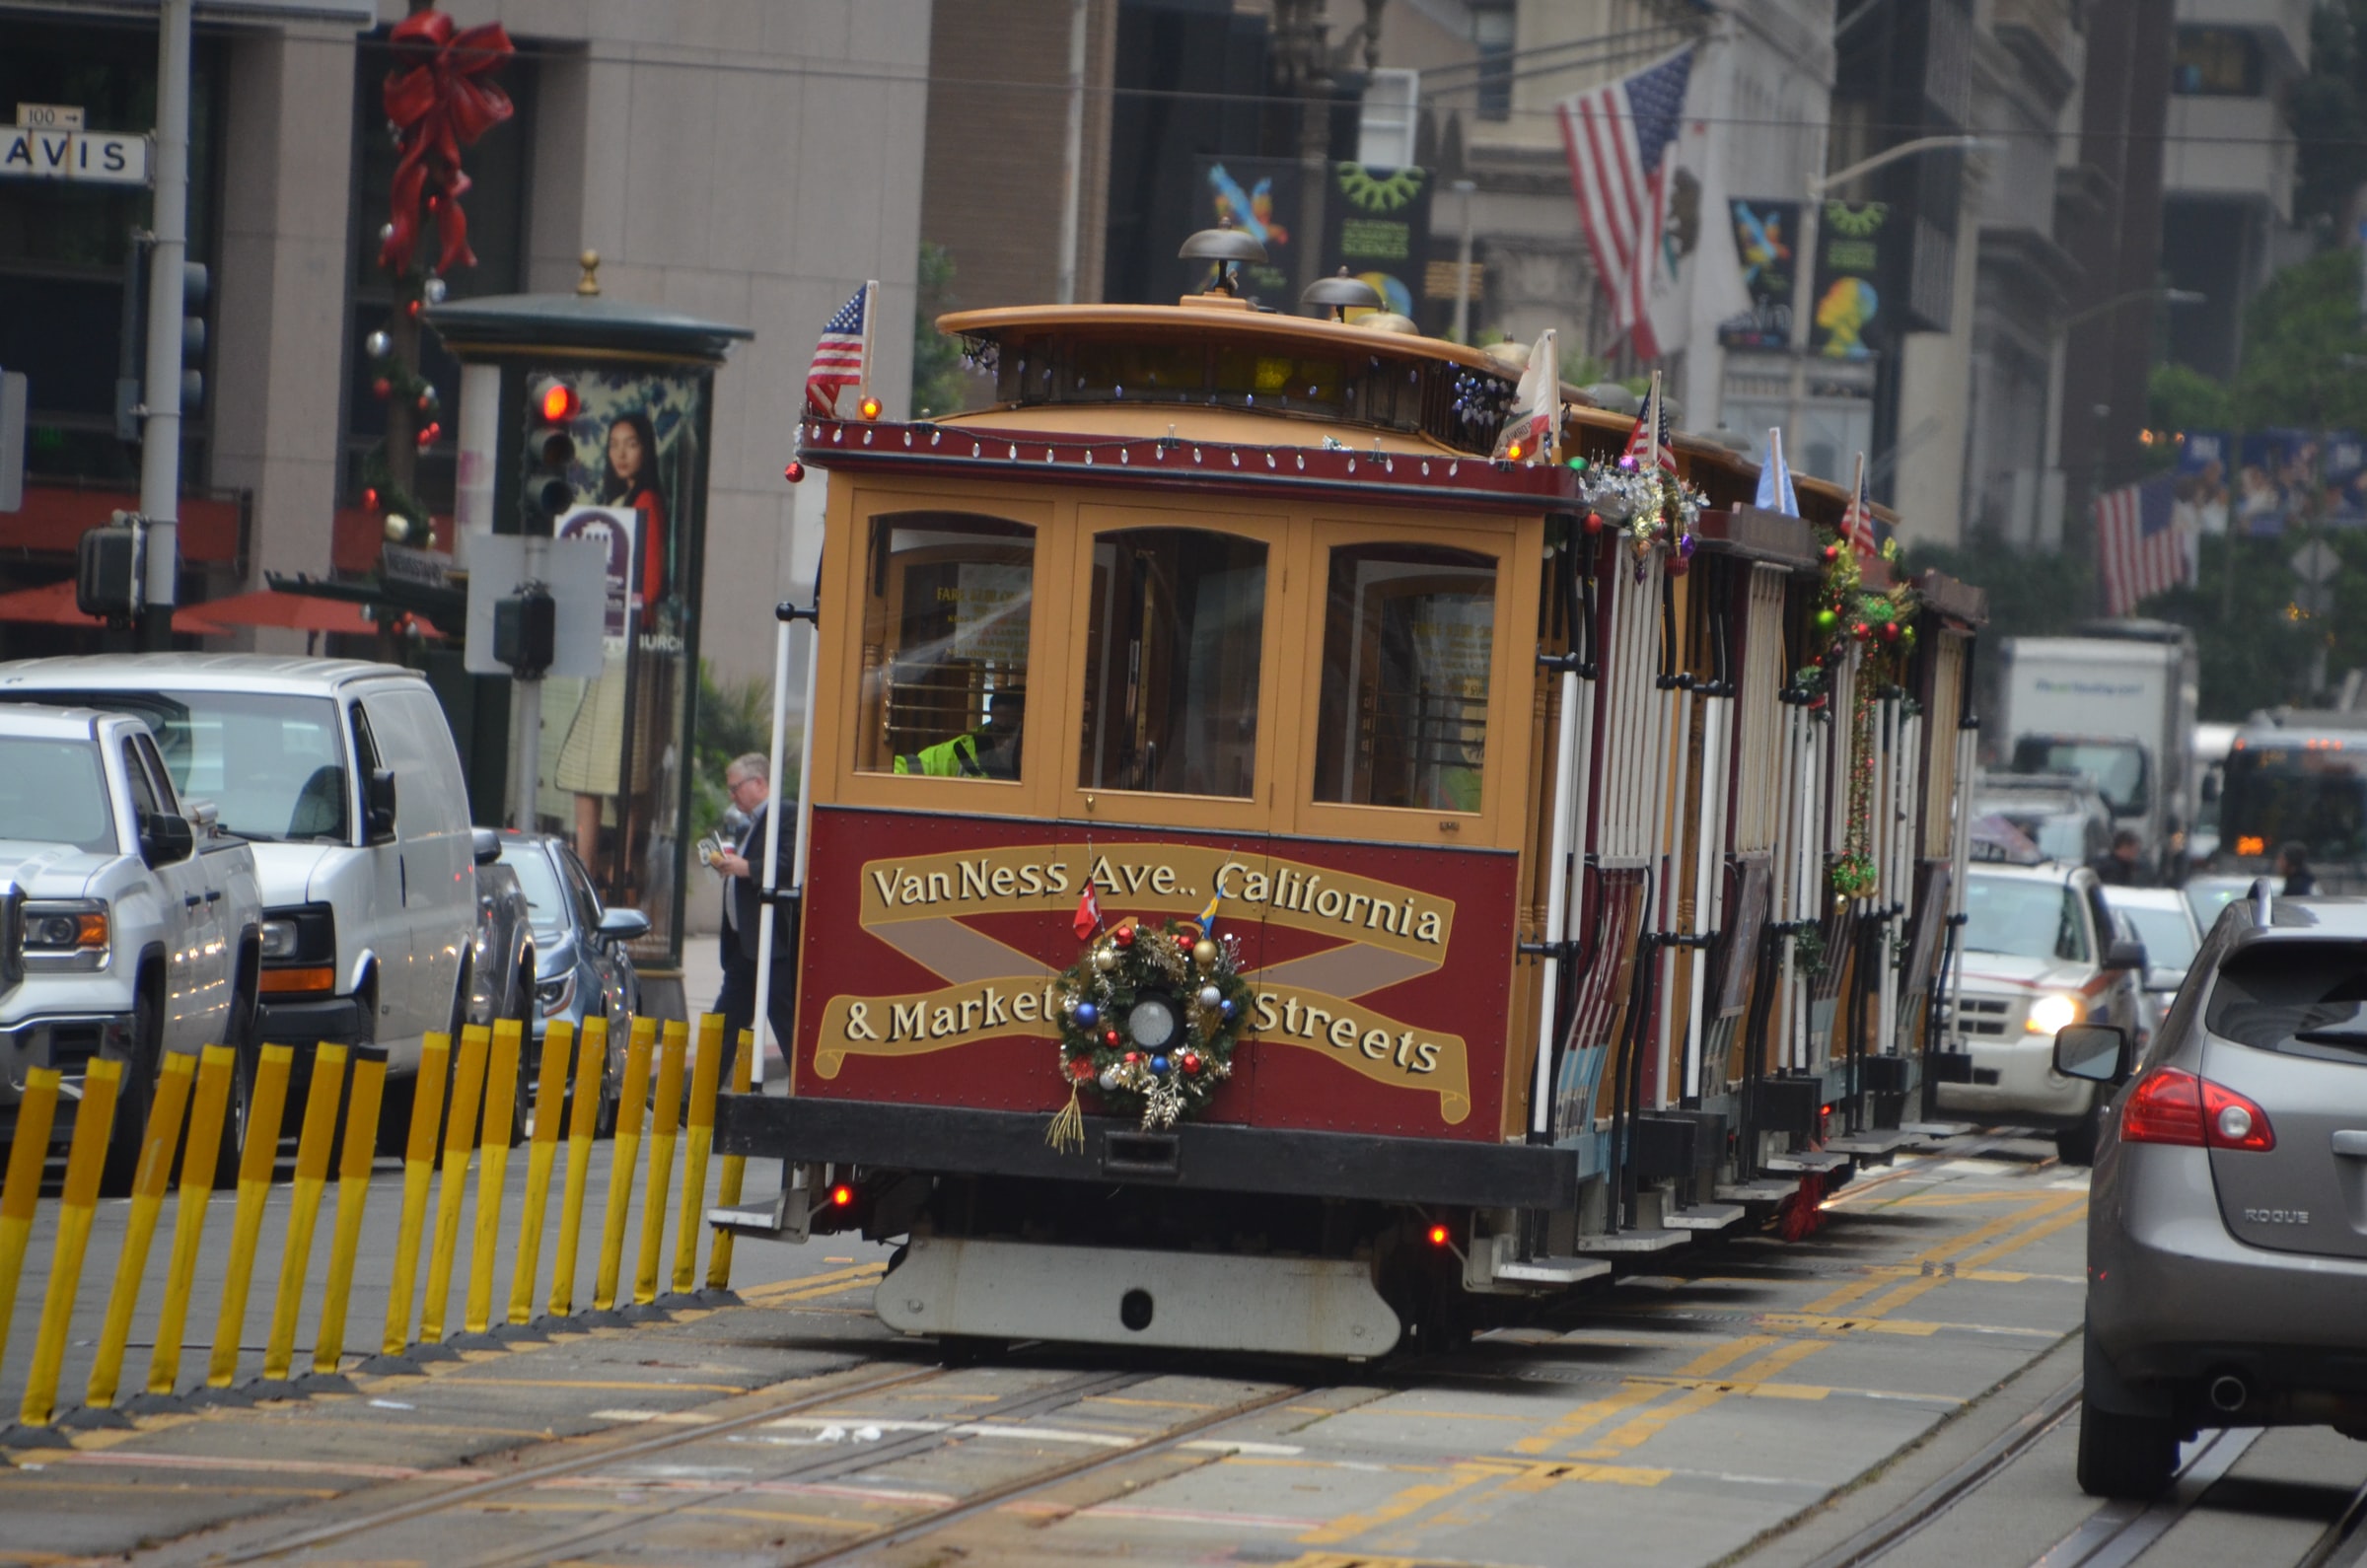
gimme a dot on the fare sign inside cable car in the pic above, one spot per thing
(934, 949)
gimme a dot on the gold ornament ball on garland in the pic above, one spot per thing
(1105, 959)
(1203, 952)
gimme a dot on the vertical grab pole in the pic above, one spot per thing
(262, 1152)
(1566, 753)
(354, 1197)
(591, 1070)
(94, 1121)
(558, 1043)
(460, 1133)
(665, 1117)
(198, 1158)
(727, 1188)
(418, 1170)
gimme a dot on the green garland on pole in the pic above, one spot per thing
(1148, 1023)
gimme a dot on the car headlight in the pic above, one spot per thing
(554, 994)
(279, 939)
(2058, 1010)
(71, 932)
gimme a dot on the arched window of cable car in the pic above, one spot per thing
(1172, 655)
(945, 611)
(1409, 632)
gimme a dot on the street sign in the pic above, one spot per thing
(2317, 562)
(106, 156)
(50, 116)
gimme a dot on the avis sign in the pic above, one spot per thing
(31, 152)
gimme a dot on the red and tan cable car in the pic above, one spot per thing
(1455, 858)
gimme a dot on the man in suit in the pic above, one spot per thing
(749, 783)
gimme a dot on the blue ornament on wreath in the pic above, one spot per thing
(1087, 1015)
(1159, 1065)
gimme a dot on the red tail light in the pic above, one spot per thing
(2170, 1105)
(842, 1196)
(1440, 1236)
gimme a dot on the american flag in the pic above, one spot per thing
(1649, 439)
(843, 359)
(1616, 138)
(2137, 547)
(1858, 524)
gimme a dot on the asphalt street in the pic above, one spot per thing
(1744, 1400)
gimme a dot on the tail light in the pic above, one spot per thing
(2172, 1105)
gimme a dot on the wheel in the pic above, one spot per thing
(135, 1096)
(2132, 1457)
(2077, 1145)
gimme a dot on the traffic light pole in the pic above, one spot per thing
(526, 696)
(159, 435)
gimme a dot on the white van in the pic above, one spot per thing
(344, 778)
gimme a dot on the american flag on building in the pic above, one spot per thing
(1617, 138)
(843, 359)
(2138, 551)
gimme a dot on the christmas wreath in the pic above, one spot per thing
(1883, 625)
(1148, 1020)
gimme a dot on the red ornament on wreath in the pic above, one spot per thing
(1123, 935)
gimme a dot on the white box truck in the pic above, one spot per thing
(2117, 704)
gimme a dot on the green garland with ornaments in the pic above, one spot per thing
(1849, 614)
(1148, 1023)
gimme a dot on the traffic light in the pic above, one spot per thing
(548, 490)
(131, 357)
(526, 631)
(111, 569)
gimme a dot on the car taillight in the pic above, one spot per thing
(2172, 1105)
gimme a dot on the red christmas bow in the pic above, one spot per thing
(439, 104)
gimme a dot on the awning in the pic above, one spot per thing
(294, 611)
(52, 605)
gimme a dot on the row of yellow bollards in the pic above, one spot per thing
(482, 1076)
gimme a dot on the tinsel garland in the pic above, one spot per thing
(1647, 505)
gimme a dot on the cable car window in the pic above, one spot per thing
(1171, 663)
(945, 611)
(1409, 631)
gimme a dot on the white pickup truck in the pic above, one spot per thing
(129, 926)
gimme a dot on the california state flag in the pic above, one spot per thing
(1533, 433)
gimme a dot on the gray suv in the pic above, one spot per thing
(2227, 1229)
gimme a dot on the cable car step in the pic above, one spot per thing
(1806, 1160)
(1935, 1132)
(1634, 1242)
(759, 1219)
(1705, 1217)
(1554, 1270)
(1880, 1141)
(1769, 1191)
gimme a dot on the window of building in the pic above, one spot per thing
(1172, 661)
(498, 167)
(2216, 62)
(947, 603)
(1387, 121)
(1494, 30)
(1409, 634)
(64, 245)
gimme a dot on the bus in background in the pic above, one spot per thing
(2297, 776)
(2212, 743)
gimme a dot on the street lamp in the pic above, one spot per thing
(1805, 284)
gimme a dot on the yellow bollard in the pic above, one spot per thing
(94, 1119)
(200, 1155)
(703, 1077)
(550, 1090)
(256, 1162)
(459, 1137)
(418, 1168)
(735, 1168)
(625, 1148)
(36, 1112)
(312, 1141)
(353, 1195)
(665, 1114)
(162, 1137)
(591, 1071)
(493, 1168)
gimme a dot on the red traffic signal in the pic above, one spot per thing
(557, 402)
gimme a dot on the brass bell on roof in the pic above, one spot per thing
(1225, 246)
(1341, 294)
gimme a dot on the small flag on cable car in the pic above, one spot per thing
(1648, 441)
(1208, 915)
(843, 359)
(1775, 492)
(1531, 433)
(1089, 912)
(1858, 525)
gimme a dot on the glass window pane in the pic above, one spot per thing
(947, 606)
(1171, 669)
(1409, 631)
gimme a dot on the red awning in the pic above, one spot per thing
(295, 612)
(53, 606)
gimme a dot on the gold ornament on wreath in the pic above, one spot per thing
(1149, 1017)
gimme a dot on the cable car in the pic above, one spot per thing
(1281, 876)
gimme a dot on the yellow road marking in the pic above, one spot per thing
(813, 1285)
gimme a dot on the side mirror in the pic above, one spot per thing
(378, 807)
(204, 816)
(2097, 1052)
(166, 839)
(623, 925)
(2126, 956)
(488, 844)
